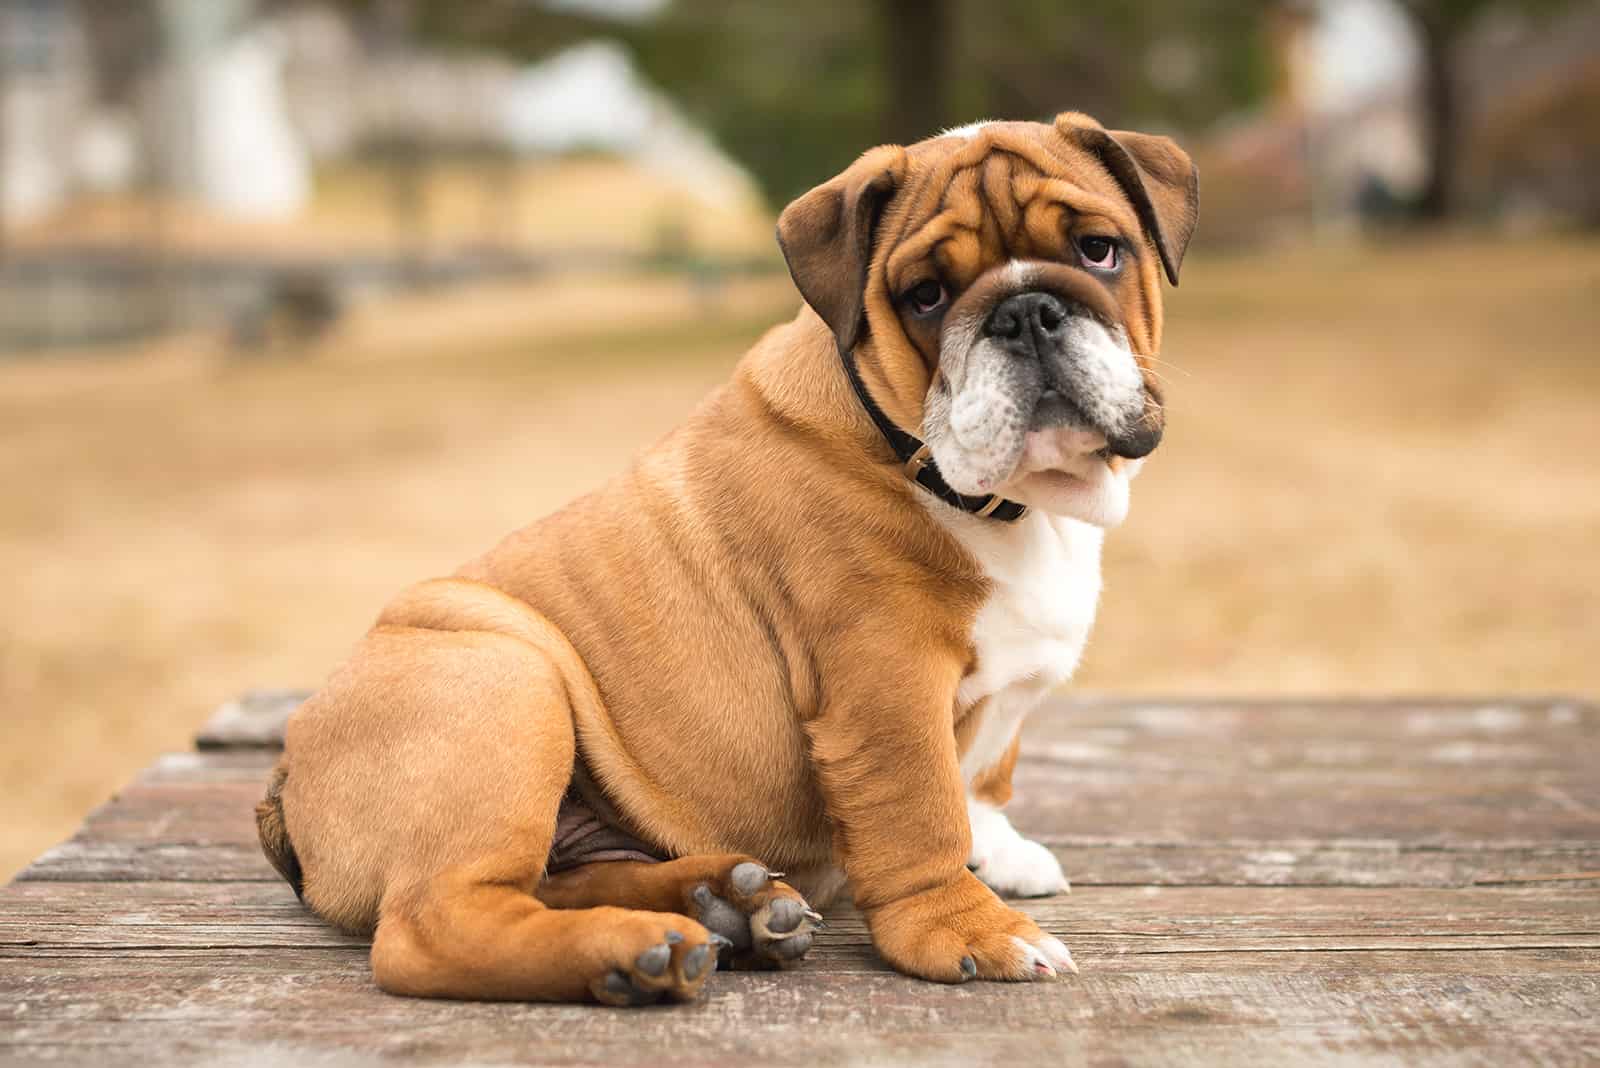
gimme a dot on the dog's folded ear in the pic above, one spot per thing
(826, 238)
(1157, 176)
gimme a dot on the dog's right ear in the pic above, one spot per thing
(826, 238)
(1158, 177)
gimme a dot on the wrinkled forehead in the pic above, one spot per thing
(1002, 191)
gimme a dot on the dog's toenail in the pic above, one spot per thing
(654, 960)
(702, 895)
(969, 967)
(695, 963)
(673, 938)
(748, 877)
(617, 983)
(784, 915)
(720, 942)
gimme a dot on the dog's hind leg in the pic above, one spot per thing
(762, 919)
(420, 790)
(465, 934)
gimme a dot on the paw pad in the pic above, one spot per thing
(694, 965)
(759, 918)
(654, 960)
(747, 878)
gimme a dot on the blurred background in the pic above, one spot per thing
(301, 302)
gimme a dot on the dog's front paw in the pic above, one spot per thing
(761, 920)
(961, 931)
(1021, 869)
(1007, 862)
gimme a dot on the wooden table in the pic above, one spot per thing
(1279, 883)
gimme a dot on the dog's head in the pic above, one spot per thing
(1000, 287)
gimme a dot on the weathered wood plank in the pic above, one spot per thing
(220, 1007)
(231, 854)
(1257, 882)
(1449, 809)
(190, 817)
(841, 957)
(1267, 732)
(1182, 919)
(253, 720)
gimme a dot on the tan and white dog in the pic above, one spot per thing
(800, 633)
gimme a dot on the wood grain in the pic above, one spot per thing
(1255, 882)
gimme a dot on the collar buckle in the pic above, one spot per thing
(919, 459)
(916, 457)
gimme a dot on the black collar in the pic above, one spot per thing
(917, 459)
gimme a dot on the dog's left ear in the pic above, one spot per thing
(1157, 176)
(826, 238)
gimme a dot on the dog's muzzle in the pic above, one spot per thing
(1043, 329)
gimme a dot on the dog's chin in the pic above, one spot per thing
(1063, 471)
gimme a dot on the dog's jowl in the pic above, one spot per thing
(789, 652)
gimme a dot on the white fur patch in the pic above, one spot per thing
(1046, 958)
(1029, 634)
(1108, 385)
(978, 421)
(1044, 572)
(1007, 862)
(969, 131)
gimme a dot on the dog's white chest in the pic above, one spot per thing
(1030, 633)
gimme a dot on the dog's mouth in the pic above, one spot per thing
(1061, 444)
(1057, 409)
(1067, 470)
(1045, 426)
(1065, 464)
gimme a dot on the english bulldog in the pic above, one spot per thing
(799, 635)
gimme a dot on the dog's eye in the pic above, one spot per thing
(1098, 252)
(927, 297)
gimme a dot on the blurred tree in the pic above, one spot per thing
(917, 39)
(795, 91)
(793, 94)
(1175, 64)
(1440, 25)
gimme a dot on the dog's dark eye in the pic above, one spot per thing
(1098, 252)
(927, 297)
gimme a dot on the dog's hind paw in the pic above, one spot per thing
(765, 921)
(672, 966)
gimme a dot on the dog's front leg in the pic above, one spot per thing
(884, 751)
(1008, 863)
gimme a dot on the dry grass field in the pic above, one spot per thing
(592, 204)
(1380, 477)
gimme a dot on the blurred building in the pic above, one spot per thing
(45, 90)
(1342, 141)
(231, 111)
(147, 146)
(1532, 93)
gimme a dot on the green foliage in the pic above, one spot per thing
(1449, 19)
(792, 92)
(795, 91)
(1164, 63)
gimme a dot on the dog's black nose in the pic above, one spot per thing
(1028, 319)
